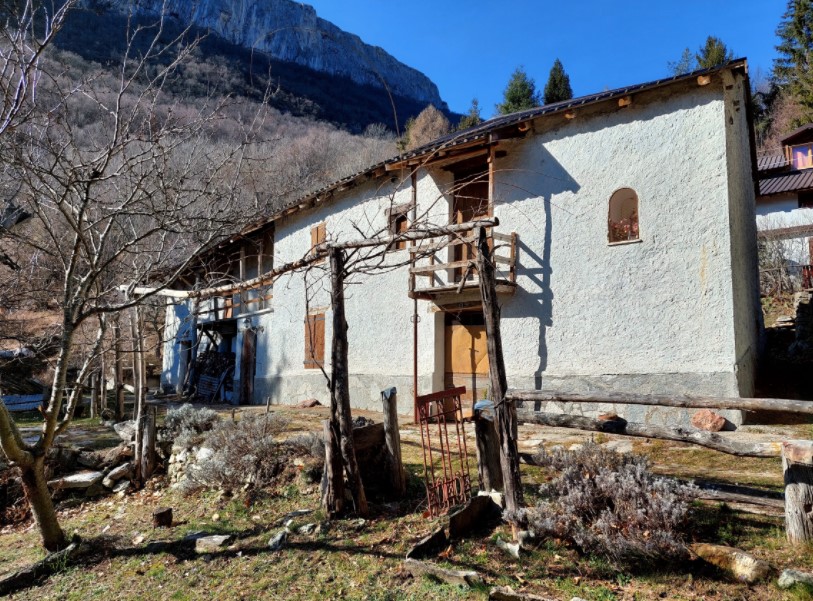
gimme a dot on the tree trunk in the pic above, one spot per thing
(118, 381)
(148, 455)
(94, 394)
(505, 412)
(797, 467)
(42, 507)
(392, 438)
(138, 385)
(332, 476)
(488, 454)
(340, 385)
(102, 383)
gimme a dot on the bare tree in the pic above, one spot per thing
(134, 201)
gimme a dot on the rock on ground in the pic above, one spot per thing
(125, 470)
(211, 544)
(278, 541)
(79, 480)
(789, 578)
(126, 430)
(708, 420)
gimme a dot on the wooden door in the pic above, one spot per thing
(466, 355)
(470, 202)
(248, 363)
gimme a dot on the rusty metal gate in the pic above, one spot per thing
(451, 485)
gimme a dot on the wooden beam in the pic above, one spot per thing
(686, 402)
(710, 440)
(570, 114)
(703, 80)
(624, 101)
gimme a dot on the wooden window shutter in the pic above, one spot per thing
(314, 341)
(318, 236)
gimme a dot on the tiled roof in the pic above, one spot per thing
(792, 181)
(773, 161)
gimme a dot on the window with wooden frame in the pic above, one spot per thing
(622, 221)
(315, 341)
(398, 218)
(318, 236)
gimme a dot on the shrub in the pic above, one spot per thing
(611, 505)
(187, 424)
(243, 455)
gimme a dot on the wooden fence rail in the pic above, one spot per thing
(687, 402)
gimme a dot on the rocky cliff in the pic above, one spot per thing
(291, 31)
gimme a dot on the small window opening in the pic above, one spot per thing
(802, 156)
(623, 217)
(399, 224)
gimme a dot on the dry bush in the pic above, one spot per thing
(429, 125)
(244, 455)
(611, 504)
(187, 424)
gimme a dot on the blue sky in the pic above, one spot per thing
(470, 47)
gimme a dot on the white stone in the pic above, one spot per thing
(278, 541)
(203, 454)
(209, 544)
(78, 480)
(789, 578)
(116, 474)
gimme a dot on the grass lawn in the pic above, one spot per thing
(352, 559)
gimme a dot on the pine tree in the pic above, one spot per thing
(558, 87)
(520, 93)
(793, 70)
(471, 118)
(713, 53)
(683, 65)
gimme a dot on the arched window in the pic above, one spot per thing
(623, 216)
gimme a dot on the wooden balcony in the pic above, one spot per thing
(446, 269)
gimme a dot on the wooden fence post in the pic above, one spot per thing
(392, 439)
(332, 475)
(489, 470)
(340, 414)
(505, 412)
(797, 468)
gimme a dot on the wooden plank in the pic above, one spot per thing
(441, 395)
(501, 237)
(709, 440)
(692, 402)
(439, 267)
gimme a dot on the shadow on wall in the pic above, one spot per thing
(534, 298)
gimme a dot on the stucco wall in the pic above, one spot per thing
(656, 315)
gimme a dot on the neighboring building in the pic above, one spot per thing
(626, 231)
(785, 209)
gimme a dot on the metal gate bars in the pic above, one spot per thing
(439, 412)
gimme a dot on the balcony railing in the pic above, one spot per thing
(449, 266)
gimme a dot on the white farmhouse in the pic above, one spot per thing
(627, 258)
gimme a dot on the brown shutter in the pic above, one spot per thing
(314, 341)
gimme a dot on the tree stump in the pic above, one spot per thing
(162, 517)
(797, 468)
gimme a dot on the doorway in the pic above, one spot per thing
(248, 366)
(470, 202)
(466, 354)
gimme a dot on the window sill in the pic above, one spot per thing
(624, 242)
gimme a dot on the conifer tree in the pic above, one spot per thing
(793, 70)
(520, 93)
(558, 87)
(471, 118)
(683, 65)
(713, 53)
